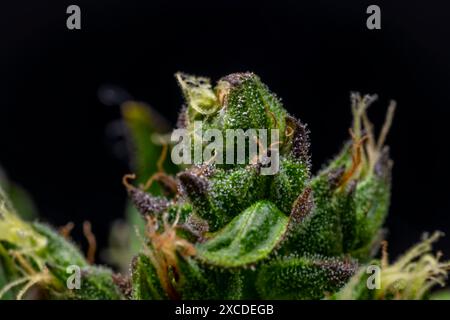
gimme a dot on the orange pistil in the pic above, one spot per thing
(160, 175)
(289, 131)
(357, 149)
(126, 183)
(66, 230)
(165, 245)
(372, 150)
(168, 182)
(92, 242)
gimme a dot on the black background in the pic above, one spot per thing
(54, 130)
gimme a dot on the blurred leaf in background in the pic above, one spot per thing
(146, 133)
(19, 197)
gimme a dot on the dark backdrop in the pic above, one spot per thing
(54, 130)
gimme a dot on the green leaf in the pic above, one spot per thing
(59, 251)
(248, 238)
(199, 281)
(288, 183)
(441, 295)
(320, 232)
(145, 281)
(19, 197)
(219, 199)
(22, 202)
(303, 277)
(15, 231)
(372, 199)
(249, 102)
(96, 284)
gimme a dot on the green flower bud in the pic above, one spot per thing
(248, 221)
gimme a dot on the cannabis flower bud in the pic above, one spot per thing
(236, 214)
